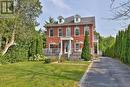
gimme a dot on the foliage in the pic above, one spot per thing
(121, 48)
(44, 40)
(105, 43)
(86, 49)
(47, 60)
(50, 21)
(18, 38)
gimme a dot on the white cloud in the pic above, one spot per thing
(61, 4)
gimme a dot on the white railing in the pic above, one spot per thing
(51, 51)
(56, 51)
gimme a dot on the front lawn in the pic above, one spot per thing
(37, 74)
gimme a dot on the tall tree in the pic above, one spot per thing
(50, 21)
(128, 45)
(86, 49)
(22, 26)
(121, 47)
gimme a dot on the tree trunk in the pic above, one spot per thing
(9, 43)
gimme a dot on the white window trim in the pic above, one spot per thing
(58, 32)
(79, 19)
(49, 32)
(70, 31)
(62, 21)
(79, 47)
(50, 44)
(75, 30)
(87, 27)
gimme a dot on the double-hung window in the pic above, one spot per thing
(76, 31)
(86, 29)
(51, 33)
(77, 46)
(60, 32)
(51, 45)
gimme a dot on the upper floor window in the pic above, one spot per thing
(51, 33)
(68, 31)
(7, 7)
(86, 29)
(76, 31)
(60, 32)
(60, 20)
(77, 18)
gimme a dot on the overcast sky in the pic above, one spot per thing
(98, 8)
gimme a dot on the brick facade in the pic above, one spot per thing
(76, 39)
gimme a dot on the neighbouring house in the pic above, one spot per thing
(66, 36)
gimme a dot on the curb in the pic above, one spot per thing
(82, 81)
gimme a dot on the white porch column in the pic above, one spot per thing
(97, 47)
(69, 51)
(70, 47)
(61, 47)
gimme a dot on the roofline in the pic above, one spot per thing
(66, 24)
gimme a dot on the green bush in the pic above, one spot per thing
(39, 57)
(47, 60)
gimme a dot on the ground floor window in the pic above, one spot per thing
(59, 45)
(51, 46)
(77, 47)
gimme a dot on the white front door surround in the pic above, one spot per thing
(67, 46)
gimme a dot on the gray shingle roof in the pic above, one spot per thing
(70, 21)
(87, 20)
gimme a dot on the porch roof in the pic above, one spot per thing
(66, 38)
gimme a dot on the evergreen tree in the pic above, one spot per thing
(39, 44)
(86, 50)
(128, 45)
(121, 47)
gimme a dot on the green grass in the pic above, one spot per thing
(37, 74)
(76, 62)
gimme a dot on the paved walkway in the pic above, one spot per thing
(107, 72)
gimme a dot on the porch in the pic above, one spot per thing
(66, 46)
(75, 54)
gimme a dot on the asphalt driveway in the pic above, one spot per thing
(107, 72)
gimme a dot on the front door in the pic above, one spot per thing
(66, 47)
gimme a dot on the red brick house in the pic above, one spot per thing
(66, 36)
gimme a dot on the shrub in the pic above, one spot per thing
(47, 60)
(39, 57)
